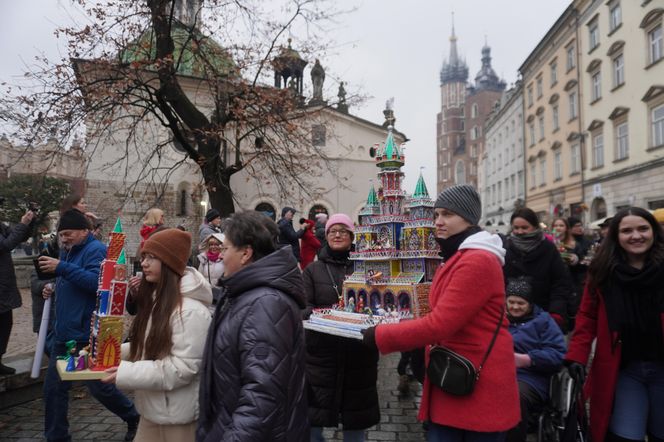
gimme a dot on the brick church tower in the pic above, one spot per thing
(450, 121)
(464, 110)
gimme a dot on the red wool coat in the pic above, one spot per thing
(309, 245)
(591, 323)
(467, 297)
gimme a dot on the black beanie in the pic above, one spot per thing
(212, 214)
(73, 219)
(463, 200)
(519, 287)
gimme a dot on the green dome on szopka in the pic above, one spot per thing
(421, 195)
(372, 206)
(194, 54)
(118, 226)
(389, 155)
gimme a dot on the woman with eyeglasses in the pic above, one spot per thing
(341, 372)
(162, 363)
(253, 382)
(211, 258)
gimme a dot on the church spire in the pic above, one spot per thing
(454, 68)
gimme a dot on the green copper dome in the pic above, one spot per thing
(194, 54)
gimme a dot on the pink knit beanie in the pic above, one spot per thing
(340, 218)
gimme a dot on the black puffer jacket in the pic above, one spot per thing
(10, 298)
(341, 372)
(550, 279)
(252, 380)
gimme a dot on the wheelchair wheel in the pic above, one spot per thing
(548, 429)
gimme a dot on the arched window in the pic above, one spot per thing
(375, 300)
(460, 173)
(267, 209)
(389, 300)
(183, 199)
(598, 209)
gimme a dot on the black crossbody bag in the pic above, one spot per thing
(453, 373)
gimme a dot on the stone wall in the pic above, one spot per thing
(110, 199)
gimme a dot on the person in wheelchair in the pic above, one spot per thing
(539, 348)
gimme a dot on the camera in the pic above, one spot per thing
(33, 207)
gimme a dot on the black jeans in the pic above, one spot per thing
(6, 322)
(531, 401)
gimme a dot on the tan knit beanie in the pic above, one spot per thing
(170, 246)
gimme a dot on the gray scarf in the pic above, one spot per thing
(527, 242)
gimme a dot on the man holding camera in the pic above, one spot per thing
(10, 298)
(287, 234)
(77, 273)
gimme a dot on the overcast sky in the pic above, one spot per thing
(386, 48)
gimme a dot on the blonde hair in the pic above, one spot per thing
(153, 217)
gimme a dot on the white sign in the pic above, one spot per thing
(597, 190)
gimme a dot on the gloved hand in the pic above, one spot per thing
(369, 337)
(576, 370)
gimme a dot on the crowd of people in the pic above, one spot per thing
(217, 348)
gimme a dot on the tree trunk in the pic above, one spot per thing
(221, 198)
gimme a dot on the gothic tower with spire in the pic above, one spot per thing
(464, 110)
(450, 121)
(481, 99)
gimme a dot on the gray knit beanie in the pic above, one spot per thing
(463, 200)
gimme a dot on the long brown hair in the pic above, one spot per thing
(158, 300)
(567, 239)
(609, 254)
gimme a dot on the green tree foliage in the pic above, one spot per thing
(22, 190)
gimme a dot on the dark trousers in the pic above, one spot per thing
(56, 398)
(443, 433)
(6, 322)
(531, 401)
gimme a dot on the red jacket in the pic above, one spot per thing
(591, 323)
(467, 297)
(310, 245)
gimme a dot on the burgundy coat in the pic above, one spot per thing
(600, 386)
(467, 298)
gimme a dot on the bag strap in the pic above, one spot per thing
(334, 283)
(493, 340)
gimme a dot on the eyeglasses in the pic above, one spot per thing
(214, 244)
(340, 232)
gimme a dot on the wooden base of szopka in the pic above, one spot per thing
(79, 375)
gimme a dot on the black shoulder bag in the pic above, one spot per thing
(453, 373)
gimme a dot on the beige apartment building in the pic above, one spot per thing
(553, 125)
(622, 76)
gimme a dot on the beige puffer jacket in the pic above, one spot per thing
(166, 390)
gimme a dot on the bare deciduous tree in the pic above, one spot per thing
(201, 72)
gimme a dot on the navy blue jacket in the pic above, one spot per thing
(540, 338)
(76, 289)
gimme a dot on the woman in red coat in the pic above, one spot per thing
(623, 307)
(309, 244)
(467, 300)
